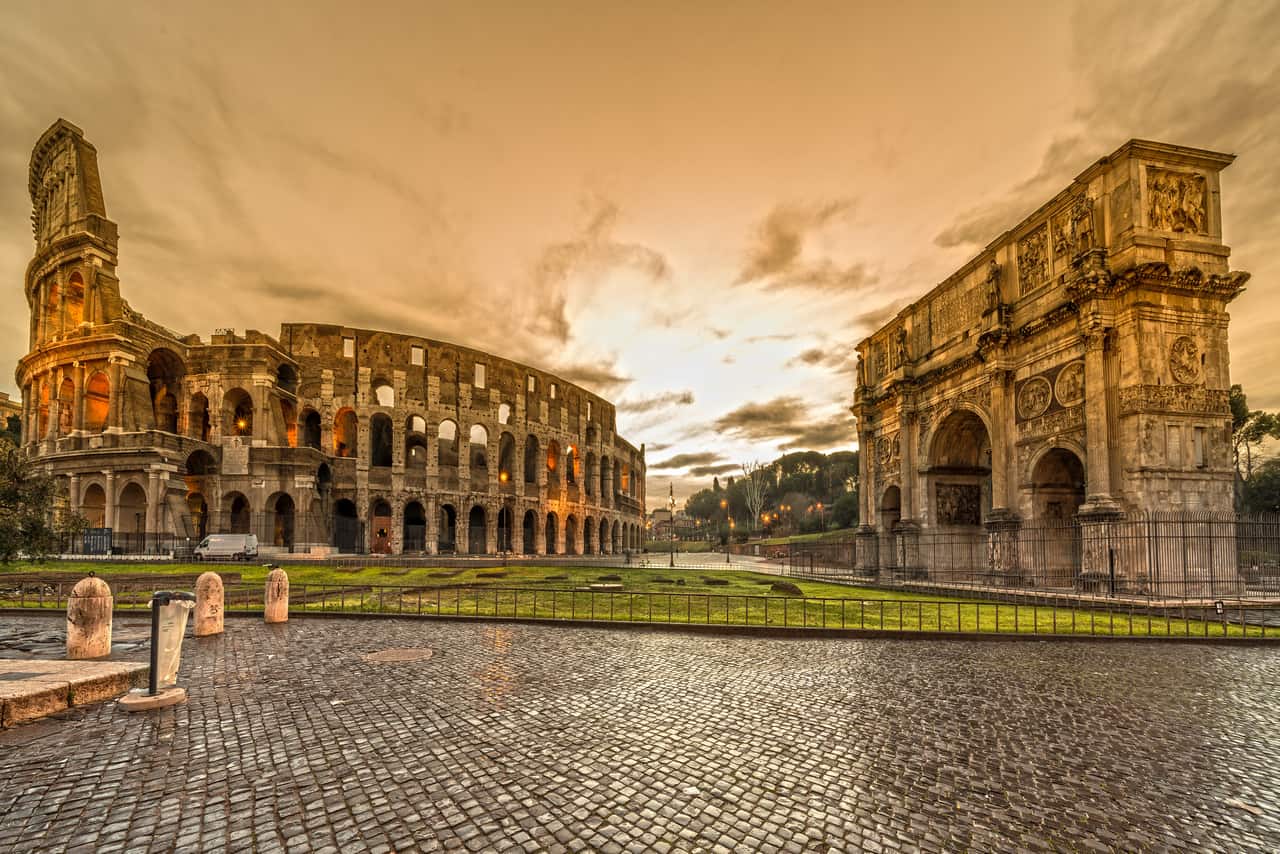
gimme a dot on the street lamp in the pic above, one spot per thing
(724, 505)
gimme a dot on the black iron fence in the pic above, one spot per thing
(1239, 621)
(1152, 556)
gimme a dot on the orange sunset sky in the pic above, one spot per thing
(694, 209)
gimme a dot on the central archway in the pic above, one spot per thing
(1057, 491)
(960, 471)
(476, 530)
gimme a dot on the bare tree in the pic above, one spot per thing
(754, 489)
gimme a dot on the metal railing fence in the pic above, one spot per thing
(1240, 620)
(1153, 556)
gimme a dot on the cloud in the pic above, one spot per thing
(680, 461)
(775, 256)
(781, 336)
(716, 332)
(709, 471)
(602, 378)
(787, 419)
(664, 400)
(840, 358)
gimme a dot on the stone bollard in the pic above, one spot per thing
(277, 597)
(89, 619)
(209, 604)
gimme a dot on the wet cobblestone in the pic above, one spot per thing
(537, 738)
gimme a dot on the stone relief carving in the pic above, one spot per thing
(1121, 207)
(1179, 400)
(1073, 228)
(1033, 259)
(1184, 360)
(959, 504)
(1069, 387)
(899, 351)
(1034, 397)
(993, 286)
(1178, 201)
(953, 310)
(1055, 423)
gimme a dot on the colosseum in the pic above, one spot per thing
(326, 439)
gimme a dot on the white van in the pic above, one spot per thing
(223, 546)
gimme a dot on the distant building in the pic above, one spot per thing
(8, 407)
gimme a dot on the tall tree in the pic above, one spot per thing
(1250, 430)
(754, 489)
(28, 524)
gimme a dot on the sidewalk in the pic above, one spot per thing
(35, 687)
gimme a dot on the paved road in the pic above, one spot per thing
(538, 738)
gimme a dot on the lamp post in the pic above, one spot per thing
(671, 507)
(724, 505)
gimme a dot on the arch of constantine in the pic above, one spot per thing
(1072, 375)
(326, 438)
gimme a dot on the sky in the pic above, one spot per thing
(694, 210)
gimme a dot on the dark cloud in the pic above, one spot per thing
(776, 254)
(656, 401)
(788, 420)
(680, 461)
(709, 471)
(601, 378)
(868, 321)
(716, 332)
(781, 336)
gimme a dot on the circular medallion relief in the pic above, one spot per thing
(1034, 397)
(1184, 360)
(1069, 387)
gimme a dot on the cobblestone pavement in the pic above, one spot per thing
(543, 738)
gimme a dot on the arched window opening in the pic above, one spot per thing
(93, 506)
(238, 513)
(287, 378)
(447, 450)
(381, 518)
(75, 302)
(289, 415)
(131, 512)
(201, 464)
(198, 425)
(504, 413)
(311, 433)
(283, 522)
(97, 403)
(531, 459)
(346, 526)
(571, 535)
(164, 373)
(66, 407)
(416, 424)
(476, 544)
(237, 410)
(414, 535)
(448, 539)
(506, 457)
(551, 533)
(504, 529)
(553, 461)
(384, 393)
(380, 440)
(571, 466)
(479, 447)
(529, 531)
(346, 433)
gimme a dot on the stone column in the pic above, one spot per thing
(517, 531)
(73, 493)
(491, 528)
(539, 531)
(115, 407)
(433, 526)
(907, 540)
(397, 523)
(153, 501)
(1098, 466)
(1001, 443)
(907, 463)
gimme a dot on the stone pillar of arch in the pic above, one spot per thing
(517, 529)
(364, 450)
(907, 438)
(73, 493)
(517, 471)
(77, 400)
(1098, 497)
(539, 530)
(432, 507)
(397, 524)
(397, 440)
(463, 442)
(153, 500)
(491, 527)
(55, 405)
(562, 526)
(115, 406)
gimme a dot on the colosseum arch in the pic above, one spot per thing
(131, 509)
(448, 529)
(506, 457)
(504, 413)
(571, 466)
(477, 532)
(380, 440)
(571, 534)
(552, 531)
(380, 526)
(97, 403)
(283, 515)
(413, 535)
(958, 479)
(589, 536)
(237, 413)
(604, 537)
(287, 378)
(384, 394)
(74, 301)
(346, 433)
(615, 544)
(198, 424)
(589, 475)
(530, 532)
(531, 459)
(504, 528)
(312, 431)
(447, 445)
(165, 371)
(93, 505)
(478, 450)
(237, 513)
(553, 462)
(346, 526)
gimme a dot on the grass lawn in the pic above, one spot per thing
(650, 594)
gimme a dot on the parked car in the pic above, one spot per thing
(227, 546)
